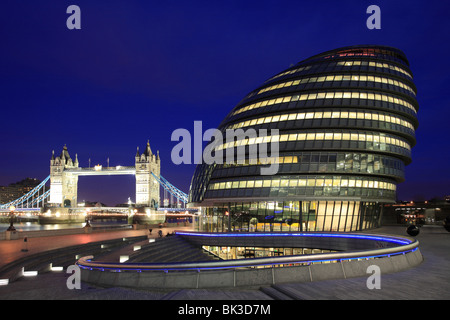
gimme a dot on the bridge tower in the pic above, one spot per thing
(147, 188)
(63, 185)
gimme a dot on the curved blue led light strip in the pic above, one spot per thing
(405, 245)
(391, 239)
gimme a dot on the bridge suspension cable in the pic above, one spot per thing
(38, 194)
(177, 193)
(29, 199)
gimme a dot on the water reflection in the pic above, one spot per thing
(35, 226)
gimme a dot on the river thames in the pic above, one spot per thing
(35, 226)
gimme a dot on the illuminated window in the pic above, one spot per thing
(319, 182)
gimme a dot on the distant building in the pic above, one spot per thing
(97, 204)
(16, 190)
(416, 212)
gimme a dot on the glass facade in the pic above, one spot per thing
(232, 253)
(270, 216)
(345, 125)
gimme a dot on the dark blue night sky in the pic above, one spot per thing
(138, 70)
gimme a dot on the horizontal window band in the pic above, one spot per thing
(346, 63)
(358, 115)
(327, 95)
(317, 136)
(296, 183)
(338, 78)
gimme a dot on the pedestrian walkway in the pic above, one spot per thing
(428, 281)
(11, 250)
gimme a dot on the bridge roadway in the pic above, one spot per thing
(428, 281)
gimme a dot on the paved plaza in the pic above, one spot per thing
(429, 281)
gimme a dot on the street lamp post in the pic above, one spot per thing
(11, 221)
(88, 217)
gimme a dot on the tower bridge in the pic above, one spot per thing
(64, 175)
(56, 195)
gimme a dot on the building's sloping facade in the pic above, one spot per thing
(345, 122)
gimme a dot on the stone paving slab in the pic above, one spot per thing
(428, 281)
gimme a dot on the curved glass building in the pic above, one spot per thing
(344, 124)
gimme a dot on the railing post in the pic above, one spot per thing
(198, 277)
(342, 266)
(273, 274)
